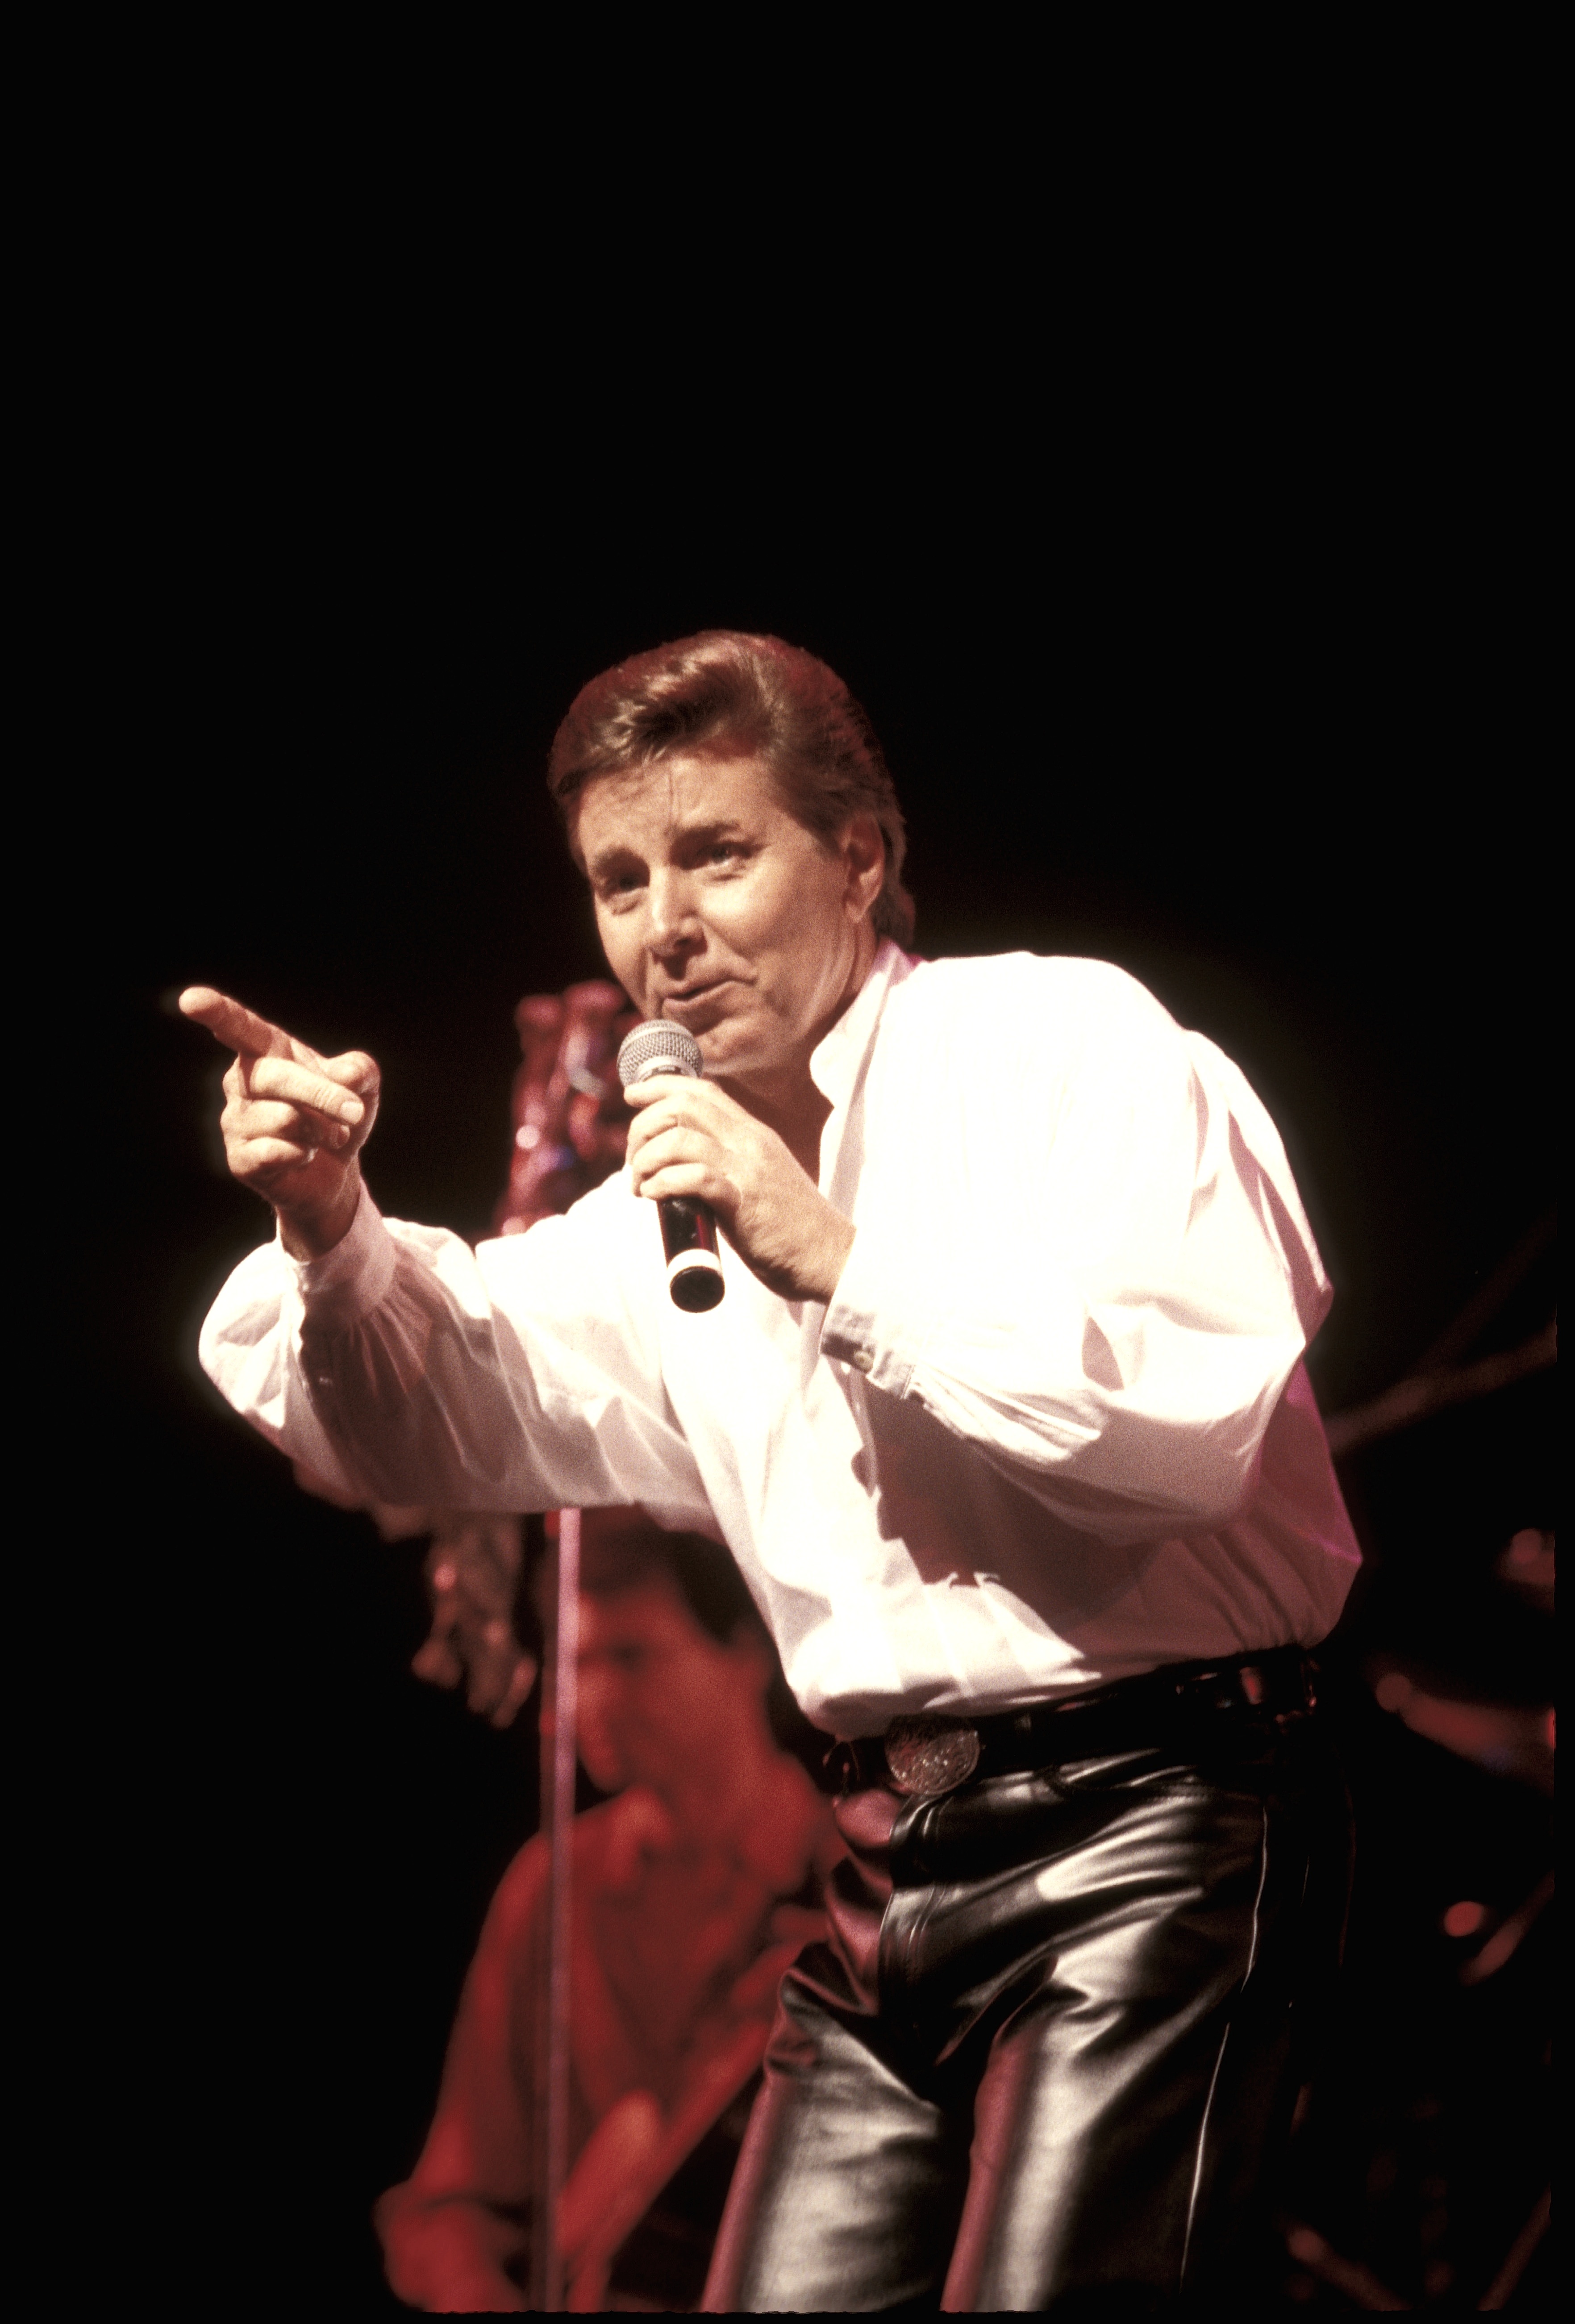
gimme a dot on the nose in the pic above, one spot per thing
(672, 922)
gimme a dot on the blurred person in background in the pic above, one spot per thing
(693, 1888)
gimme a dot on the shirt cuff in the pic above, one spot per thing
(350, 1281)
(865, 1325)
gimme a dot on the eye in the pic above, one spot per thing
(618, 887)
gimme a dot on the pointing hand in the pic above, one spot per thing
(293, 1123)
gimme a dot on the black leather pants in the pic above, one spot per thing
(1047, 2054)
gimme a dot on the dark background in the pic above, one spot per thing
(1290, 773)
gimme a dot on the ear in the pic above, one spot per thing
(863, 853)
(571, 832)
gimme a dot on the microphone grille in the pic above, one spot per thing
(659, 1048)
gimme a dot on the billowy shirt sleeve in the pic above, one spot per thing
(404, 1366)
(1080, 1246)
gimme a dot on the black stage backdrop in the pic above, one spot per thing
(1312, 819)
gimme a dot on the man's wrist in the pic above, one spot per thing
(307, 1235)
(837, 1243)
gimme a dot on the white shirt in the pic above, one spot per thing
(1054, 1428)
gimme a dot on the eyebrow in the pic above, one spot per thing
(618, 852)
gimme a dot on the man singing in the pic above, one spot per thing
(1004, 1419)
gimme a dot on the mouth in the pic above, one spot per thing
(693, 996)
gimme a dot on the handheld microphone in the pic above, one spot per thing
(695, 1276)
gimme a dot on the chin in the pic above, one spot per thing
(728, 1054)
(728, 1037)
(744, 1041)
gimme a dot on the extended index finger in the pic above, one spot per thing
(230, 1021)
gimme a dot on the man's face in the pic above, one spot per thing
(659, 1696)
(718, 910)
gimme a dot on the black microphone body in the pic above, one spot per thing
(695, 1276)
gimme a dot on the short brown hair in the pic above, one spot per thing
(624, 1549)
(725, 690)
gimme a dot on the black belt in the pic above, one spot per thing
(1181, 1701)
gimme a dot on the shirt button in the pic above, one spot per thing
(863, 1362)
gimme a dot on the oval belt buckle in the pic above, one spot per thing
(930, 1755)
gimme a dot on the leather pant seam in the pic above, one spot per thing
(1224, 2045)
(904, 1956)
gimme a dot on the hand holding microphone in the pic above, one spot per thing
(701, 1156)
(694, 1278)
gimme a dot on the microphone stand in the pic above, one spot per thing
(558, 1720)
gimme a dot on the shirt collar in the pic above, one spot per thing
(836, 1063)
